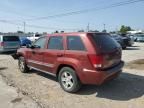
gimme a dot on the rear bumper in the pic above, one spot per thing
(99, 77)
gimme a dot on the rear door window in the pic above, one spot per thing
(10, 38)
(104, 42)
(75, 43)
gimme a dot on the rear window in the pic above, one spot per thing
(10, 38)
(104, 42)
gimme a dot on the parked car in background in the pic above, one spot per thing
(9, 43)
(140, 38)
(24, 41)
(34, 37)
(127, 40)
(132, 38)
(119, 39)
(74, 58)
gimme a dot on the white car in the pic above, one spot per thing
(34, 37)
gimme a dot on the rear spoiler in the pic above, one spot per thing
(15, 56)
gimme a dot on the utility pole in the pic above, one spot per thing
(24, 26)
(104, 26)
(18, 28)
(88, 27)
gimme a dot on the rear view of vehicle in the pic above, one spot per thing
(127, 40)
(9, 43)
(140, 38)
(105, 59)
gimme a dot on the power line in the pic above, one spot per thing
(52, 28)
(9, 22)
(71, 13)
(16, 13)
(36, 26)
(82, 11)
(87, 10)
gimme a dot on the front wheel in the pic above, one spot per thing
(22, 65)
(69, 80)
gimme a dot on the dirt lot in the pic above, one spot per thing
(136, 64)
(127, 91)
(10, 97)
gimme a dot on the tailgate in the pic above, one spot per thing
(113, 58)
(108, 48)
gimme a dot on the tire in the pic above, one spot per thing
(69, 80)
(22, 65)
(124, 47)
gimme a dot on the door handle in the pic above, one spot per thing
(33, 52)
(59, 55)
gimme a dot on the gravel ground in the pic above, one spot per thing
(127, 91)
(10, 97)
(133, 53)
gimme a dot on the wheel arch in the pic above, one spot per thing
(65, 65)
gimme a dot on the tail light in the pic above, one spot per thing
(1, 43)
(96, 60)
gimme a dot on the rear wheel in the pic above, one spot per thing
(69, 80)
(22, 65)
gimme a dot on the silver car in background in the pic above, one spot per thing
(9, 43)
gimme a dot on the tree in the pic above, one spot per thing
(56, 31)
(80, 30)
(20, 32)
(124, 29)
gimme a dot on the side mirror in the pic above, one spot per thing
(32, 46)
(35, 46)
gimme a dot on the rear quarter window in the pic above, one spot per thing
(104, 42)
(10, 38)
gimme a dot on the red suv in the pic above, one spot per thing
(74, 58)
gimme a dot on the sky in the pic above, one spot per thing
(19, 11)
